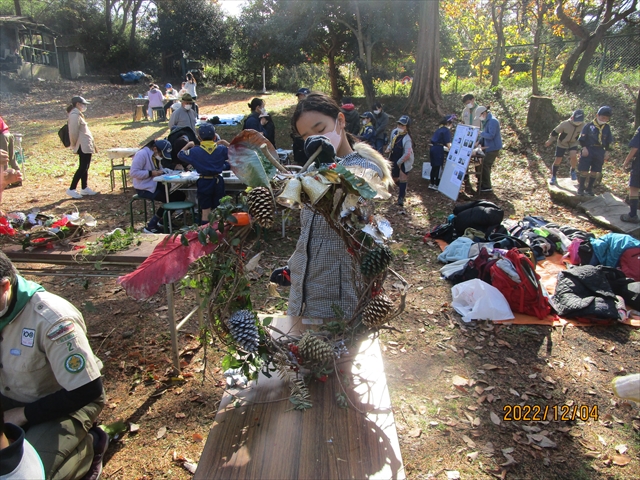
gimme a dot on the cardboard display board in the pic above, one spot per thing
(455, 167)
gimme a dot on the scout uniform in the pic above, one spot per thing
(43, 350)
(597, 139)
(209, 160)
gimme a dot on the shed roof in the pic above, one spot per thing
(25, 23)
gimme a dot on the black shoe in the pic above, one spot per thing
(580, 192)
(486, 189)
(100, 445)
(148, 229)
(589, 193)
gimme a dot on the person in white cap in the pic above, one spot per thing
(81, 143)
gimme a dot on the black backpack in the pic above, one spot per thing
(63, 133)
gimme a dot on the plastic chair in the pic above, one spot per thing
(145, 200)
(172, 207)
(123, 169)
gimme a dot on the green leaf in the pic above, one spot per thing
(267, 321)
(231, 219)
(202, 237)
(229, 361)
(235, 242)
(357, 183)
(183, 240)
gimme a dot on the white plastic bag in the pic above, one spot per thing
(477, 300)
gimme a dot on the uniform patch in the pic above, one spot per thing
(28, 336)
(74, 363)
(15, 351)
(68, 337)
(60, 329)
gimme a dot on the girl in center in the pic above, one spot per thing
(323, 274)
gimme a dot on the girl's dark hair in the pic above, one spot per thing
(69, 108)
(376, 105)
(255, 103)
(151, 144)
(321, 103)
(467, 97)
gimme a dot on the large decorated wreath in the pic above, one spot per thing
(344, 196)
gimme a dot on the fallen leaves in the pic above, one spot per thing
(621, 460)
(459, 381)
(161, 433)
(495, 419)
(415, 432)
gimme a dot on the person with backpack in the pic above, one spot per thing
(81, 142)
(490, 141)
(351, 115)
(441, 138)
(567, 134)
(633, 159)
(401, 156)
(596, 140)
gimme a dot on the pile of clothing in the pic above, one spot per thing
(602, 282)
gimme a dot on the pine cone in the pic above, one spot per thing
(377, 311)
(244, 330)
(376, 261)
(314, 349)
(261, 206)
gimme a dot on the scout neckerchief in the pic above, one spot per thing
(21, 293)
(600, 128)
(208, 146)
(398, 135)
(364, 127)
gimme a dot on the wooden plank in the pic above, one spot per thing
(63, 255)
(264, 438)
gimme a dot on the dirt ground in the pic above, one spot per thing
(449, 382)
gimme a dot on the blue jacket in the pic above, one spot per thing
(593, 135)
(252, 122)
(367, 134)
(208, 158)
(440, 138)
(490, 135)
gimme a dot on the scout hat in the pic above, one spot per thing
(187, 98)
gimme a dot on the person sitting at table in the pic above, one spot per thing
(156, 99)
(145, 166)
(170, 93)
(184, 116)
(269, 128)
(252, 122)
(209, 159)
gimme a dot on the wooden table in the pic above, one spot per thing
(118, 263)
(264, 438)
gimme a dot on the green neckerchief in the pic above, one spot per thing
(21, 293)
(208, 146)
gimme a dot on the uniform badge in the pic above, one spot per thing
(74, 363)
(15, 351)
(60, 329)
(28, 336)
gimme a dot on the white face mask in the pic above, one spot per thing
(158, 157)
(187, 107)
(334, 137)
(82, 107)
(470, 105)
(364, 121)
(377, 112)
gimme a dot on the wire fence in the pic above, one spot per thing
(616, 56)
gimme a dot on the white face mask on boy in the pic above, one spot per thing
(187, 107)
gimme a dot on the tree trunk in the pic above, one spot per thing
(542, 116)
(541, 10)
(579, 76)
(425, 88)
(333, 76)
(108, 22)
(565, 77)
(497, 14)
(16, 4)
(134, 24)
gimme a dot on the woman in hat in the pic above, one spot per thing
(401, 155)
(322, 272)
(81, 143)
(441, 138)
(145, 166)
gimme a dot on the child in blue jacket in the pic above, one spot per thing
(595, 140)
(440, 139)
(209, 160)
(368, 130)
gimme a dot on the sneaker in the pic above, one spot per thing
(401, 202)
(433, 187)
(73, 194)
(589, 193)
(580, 192)
(553, 181)
(151, 230)
(100, 446)
(87, 191)
(486, 189)
(574, 175)
(628, 218)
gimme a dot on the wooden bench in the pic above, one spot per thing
(256, 433)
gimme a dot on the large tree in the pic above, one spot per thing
(426, 91)
(590, 30)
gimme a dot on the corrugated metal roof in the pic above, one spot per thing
(26, 22)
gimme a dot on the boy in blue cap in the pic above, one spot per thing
(208, 159)
(634, 179)
(368, 130)
(595, 140)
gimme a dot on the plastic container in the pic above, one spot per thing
(243, 219)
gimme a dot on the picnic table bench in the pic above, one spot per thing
(257, 434)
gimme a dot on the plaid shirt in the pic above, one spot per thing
(323, 273)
